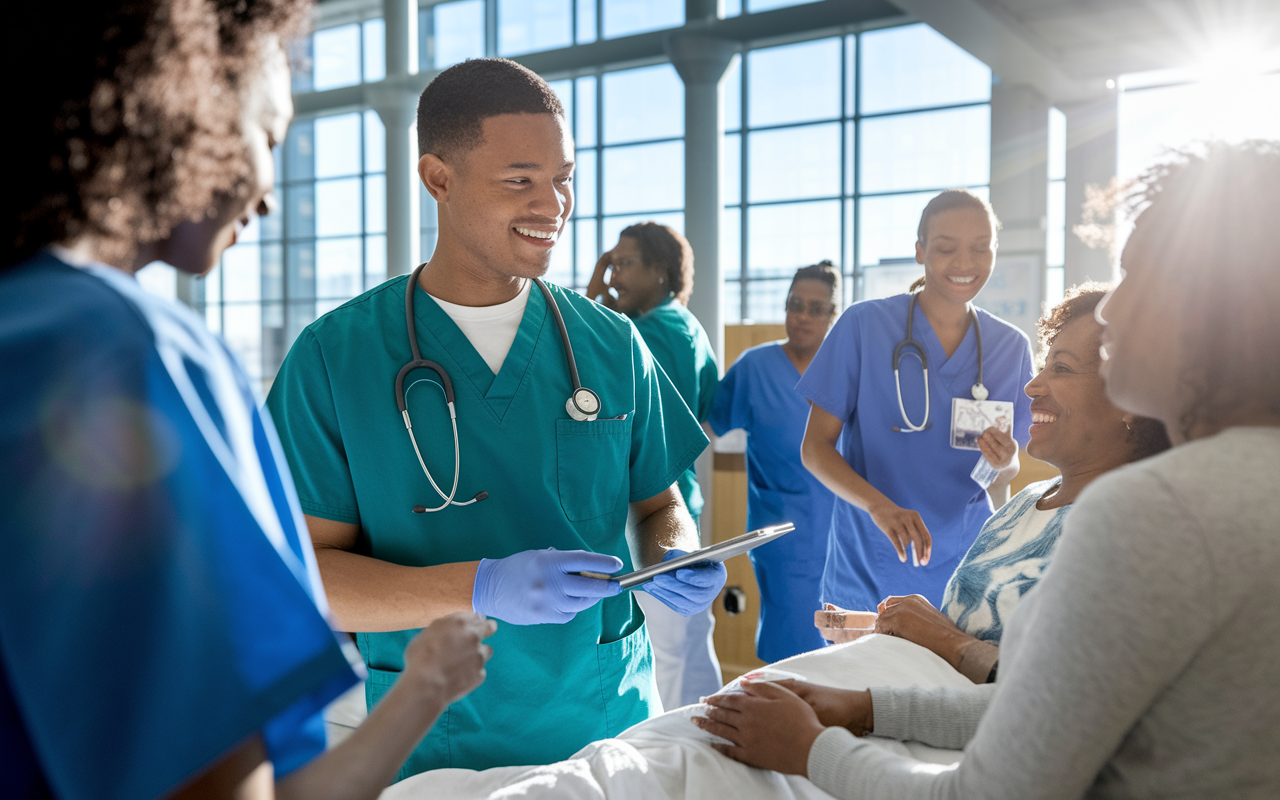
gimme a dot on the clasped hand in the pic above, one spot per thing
(688, 590)
(537, 586)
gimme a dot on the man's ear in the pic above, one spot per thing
(436, 176)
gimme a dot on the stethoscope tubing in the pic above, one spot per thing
(979, 388)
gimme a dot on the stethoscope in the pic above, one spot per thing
(582, 405)
(979, 390)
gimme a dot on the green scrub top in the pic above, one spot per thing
(552, 482)
(681, 347)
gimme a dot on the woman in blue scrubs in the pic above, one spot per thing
(758, 395)
(908, 505)
(650, 279)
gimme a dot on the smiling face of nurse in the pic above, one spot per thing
(958, 250)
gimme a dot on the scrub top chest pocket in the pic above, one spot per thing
(592, 463)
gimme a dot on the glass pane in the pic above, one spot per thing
(300, 152)
(889, 278)
(300, 210)
(243, 332)
(587, 250)
(1057, 145)
(457, 32)
(300, 270)
(586, 21)
(213, 318)
(732, 8)
(526, 26)
(585, 127)
(251, 232)
(794, 83)
(732, 169)
(1054, 289)
(273, 343)
(732, 83)
(936, 149)
(338, 145)
(645, 103)
(298, 315)
(564, 91)
(765, 5)
(241, 273)
(887, 226)
(850, 74)
(375, 261)
(1055, 233)
(850, 143)
(915, 66)
(300, 66)
(375, 204)
(338, 207)
(613, 226)
(271, 227)
(584, 184)
(782, 238)
(560, 270)
(375, 143)
(794, 163)
(624, 17)
(731, 302)
(375, 52)
(730, 243)
(335, 59)
(766, 300)
(647, 177)
(339, 268)
(272, 267)
(213, 285)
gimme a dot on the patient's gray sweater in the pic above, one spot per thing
(1146, 663)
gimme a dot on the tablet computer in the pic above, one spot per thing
(716, 552)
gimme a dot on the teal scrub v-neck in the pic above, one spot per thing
(552, 482)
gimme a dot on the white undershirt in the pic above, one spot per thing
(490, 329)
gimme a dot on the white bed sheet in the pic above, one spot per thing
(669, 757)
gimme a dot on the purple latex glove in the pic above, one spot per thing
(536, 586)
(690, 589)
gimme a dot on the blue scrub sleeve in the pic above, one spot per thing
(732, 407)
(832, 379)
(301, 403)
(665, 438)
(147, 623)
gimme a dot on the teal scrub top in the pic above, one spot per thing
(552, 482)
(682, 349)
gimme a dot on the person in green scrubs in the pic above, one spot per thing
(648, 276)
(552, 494)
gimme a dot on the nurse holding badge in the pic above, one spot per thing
(894, 392)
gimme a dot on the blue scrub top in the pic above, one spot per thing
(159, 600)
(851, 378)
(758, 395)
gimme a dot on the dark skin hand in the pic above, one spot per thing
(913, 618)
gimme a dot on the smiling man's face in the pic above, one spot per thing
(505, 202)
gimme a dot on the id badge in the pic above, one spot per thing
(983, 473)
(969, 418)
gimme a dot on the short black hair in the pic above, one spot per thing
(823, 271)
(454, 106)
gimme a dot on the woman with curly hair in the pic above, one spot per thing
(1143, 663)
(163, 630)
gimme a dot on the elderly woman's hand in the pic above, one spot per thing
(846, 708)
(770, 727)
(915, 619)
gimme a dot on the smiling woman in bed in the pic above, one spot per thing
(1076, 429)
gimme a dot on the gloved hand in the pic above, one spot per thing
(690, 589)
(535, 586)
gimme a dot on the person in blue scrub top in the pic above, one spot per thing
(909, 504)
(534, 422)
(650, 279)
(163, 630)
(758, 395)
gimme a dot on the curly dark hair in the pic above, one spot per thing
(134, 126)
(454, 106)
(1146, 436)
(1205, 223)
(823, 271)
(663, 247)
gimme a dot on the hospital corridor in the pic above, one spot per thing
(641, 400)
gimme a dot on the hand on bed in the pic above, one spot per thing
(770, 726)
(691, 589)
(845, 708)
(915, 619)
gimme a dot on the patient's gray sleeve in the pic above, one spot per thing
(944, 716)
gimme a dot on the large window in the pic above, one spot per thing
(833, 148)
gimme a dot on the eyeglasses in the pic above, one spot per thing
(815, 308)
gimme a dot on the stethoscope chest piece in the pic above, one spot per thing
(583, 405)
(979, 392)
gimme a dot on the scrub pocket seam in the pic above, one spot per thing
(591, 454)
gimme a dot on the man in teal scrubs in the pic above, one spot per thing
(498, 159)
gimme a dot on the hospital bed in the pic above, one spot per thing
(668, 757)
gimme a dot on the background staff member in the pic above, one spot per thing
(758, 395)
(910, 486)
(498, 159)
(651, 277)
